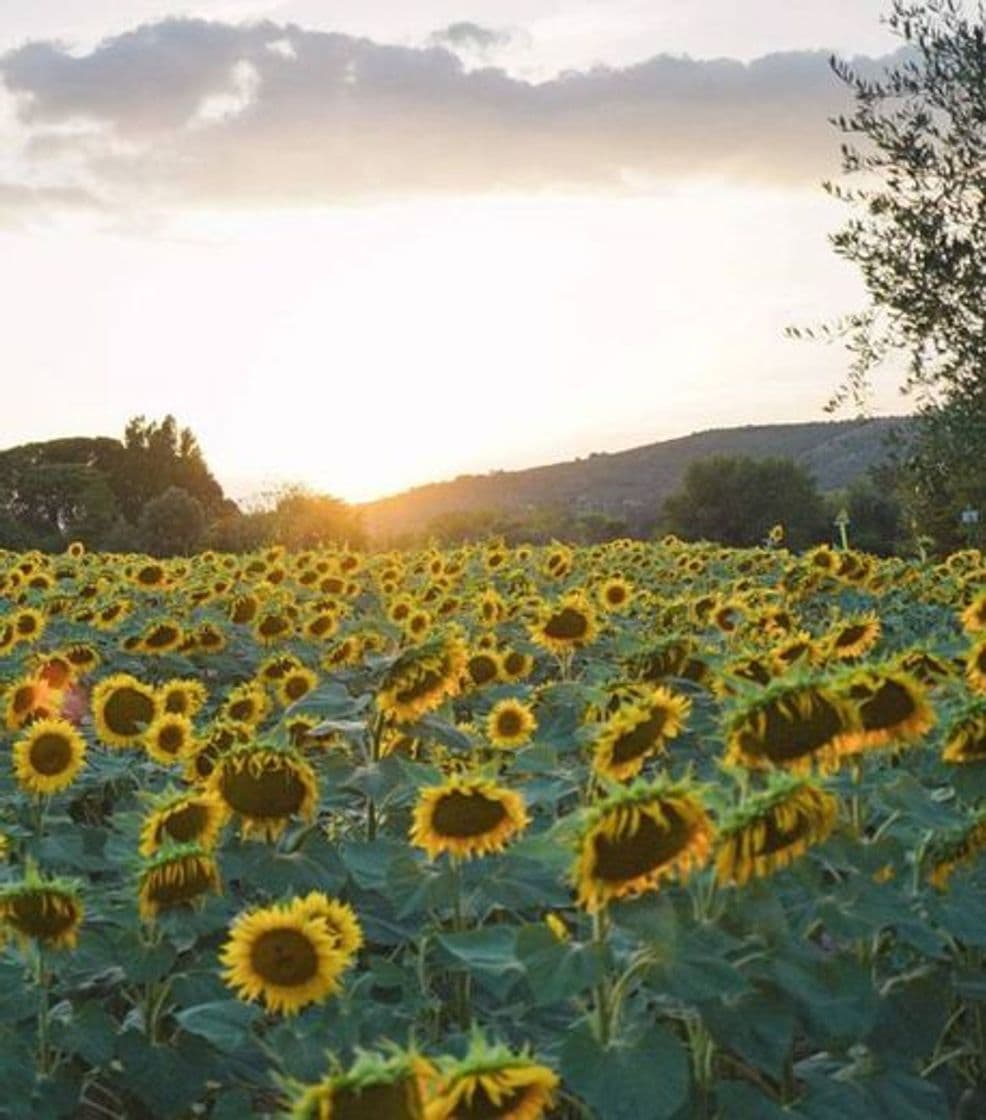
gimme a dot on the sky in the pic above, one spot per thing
(368, 244)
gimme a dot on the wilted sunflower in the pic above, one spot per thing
(638, 730)
(492, 1083)
(772, 828)
(853, 637)
(567, 625)
(422, 678)
(892, 709)
(790, 727)
(182, 697)
(123, 708)
(170, 738)
(375, 1087)
(638, 837)
(283, 956)
(182, 818)
(265, 788)
(950, 852)
(49, 756)
(510, 723)
(339, 919)
(966, 737)
(47, 911)
(466, 817)
(175, 876)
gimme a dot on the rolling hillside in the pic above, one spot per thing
(633, 484)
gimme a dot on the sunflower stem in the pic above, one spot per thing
(461, 978)
(376, 736)
(602, 991)
(41, 978)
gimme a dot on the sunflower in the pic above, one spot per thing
(30, 699)
(492, 1083)
(83, 657)
(182, 697)
(182, 818)
(265, 788)
(243, 609)
(55, 670)
(162, 636)
(975, 666)
(637, 837)
(514, 665)
(177, 875)
(169, 739)
(384, 1087)
(892, 709)
(799, 649)
(482, 668)
(150, 575)
(965, 740)
(273, 627)
(339, 919)
(568, 625)
(29, 624)
(973, 618)
(466, 817)
(790, 727)
(123, 708)
(276, 668)
(47, 911)
(853, 637)
(929, 669)
(48, 758)
(638, 730)
(295, 684)
(615, 594)
(772, 828)
(282, 955)
(510, 723)
(950, 852)
(247, 704)
(421, 678)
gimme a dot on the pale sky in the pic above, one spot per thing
(367, 244)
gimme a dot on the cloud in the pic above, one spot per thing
(471, 37)
(21, 204)
(192, 112)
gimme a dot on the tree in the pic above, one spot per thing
(736, 500)
(916, 143)
(172, 524)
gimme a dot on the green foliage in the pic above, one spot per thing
(172, 524)
(736, 501)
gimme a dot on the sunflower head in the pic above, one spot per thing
(382, 1086)
(638, 837)
(295, 684)
(639, 730)
(123, 708)
(284, 956)
(770, 829)
(965, 741)
(29, 699)
(176, 876)
(510, 723)
(182, 697)
(492, 1082)
(182, 818)
(170, 739)
(339, 919)
(960, 848)
(567, 625)
(265, 787)
(422, 678)
(891, 706)
(49, 756)
(46, 911)
(853, 637)
(467, 816)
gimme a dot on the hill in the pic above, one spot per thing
(633, 484)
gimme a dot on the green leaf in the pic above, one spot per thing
(226, 1023)
(557, 970)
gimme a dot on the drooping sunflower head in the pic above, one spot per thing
(422, 678)
(492, 1083)
(49, 756)
(961, 848)
(339, 919)
(176, 876)
(799, 650)
(770, 829)
(510, 723)
(264, 787)
(853, 637)
(929, 668)
(123, 708)
(378, 1086)
(567, 625)
(638, 837)
(467, 816)
(46, 911)
(973, 618)
(182, 818)
(795, 727)
(892, 709)
(965, 740)
(638, 730)
(975, 666)
(283, 956)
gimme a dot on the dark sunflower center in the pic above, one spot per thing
(183, 825)
(296, 687)
(850, 636)
(275, 792)
(160, 637)
(626, 857)
(615, 595)
(244, 611)
(241, 710)
(459, 814)
(273, 625)
(24, 699)
(400, 1101)
(173, 885)
(284, 957)
(481, 1107)
(889, 706)
(127, 711)
(171, 739)
(567, 625)
(42, 914)
(632, 744)
(423, 686)
(513, 662)
(509, 723)
(482, 669)
(776, 838)
(176, 703)
(790, 735)
(51, 753)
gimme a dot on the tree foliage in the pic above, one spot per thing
(735, 500)
(172, 524)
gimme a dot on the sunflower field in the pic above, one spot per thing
(639, 831)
